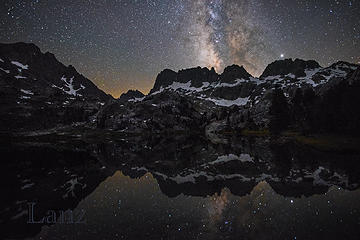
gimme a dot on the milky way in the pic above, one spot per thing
(123, 44)
(225, 33)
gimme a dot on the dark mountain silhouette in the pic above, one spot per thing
(38, 91)
(288, 66)
(131, 95)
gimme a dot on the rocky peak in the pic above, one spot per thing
(344, 66)
(197, 76)
(163, 79)
(336, 72)
(14, 49)
(288, 66)
(194, 76)
(131, 94)
(234, 72)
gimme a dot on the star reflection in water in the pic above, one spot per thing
(146, 212)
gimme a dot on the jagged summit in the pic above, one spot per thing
(288, 66)
(39, 92)
(198, 77)
(297, 71)
(194, 77)
(164, 78)
(235, 86)
(343, 66)
(233, 72)
(131, 95)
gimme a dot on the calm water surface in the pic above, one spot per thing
(125, 208)
(247, 189)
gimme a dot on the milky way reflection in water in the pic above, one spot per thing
(126, 208)
(183, 188)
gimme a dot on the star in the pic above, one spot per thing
(125, 44)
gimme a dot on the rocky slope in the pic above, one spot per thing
(37, 91)
(235, 83)
(157, 113)
(238, 100)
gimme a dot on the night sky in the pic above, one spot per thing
(124, 44)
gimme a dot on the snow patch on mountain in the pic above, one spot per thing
(238, 82)
(22, 66)
(291, 75)
(309, 75)
(28, 185)
(71, 187)
(267, 177)
(19, 77)
(27, 92)
(70, 86)
(25, 97)
(337, 72)
(191, 178)
(188, 178)
(7, 71)
(322, 75)
(187, 86)
(270, 78)
(232, 157)
(317, 178)
(159, 91)
(227, 103)
(136, 99)
(311, 72)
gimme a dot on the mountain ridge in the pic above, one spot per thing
(295, 69)
(39, 92)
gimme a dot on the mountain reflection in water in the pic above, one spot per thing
(183, 188)
(125, 208)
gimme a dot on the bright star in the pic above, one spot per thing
(282, 55)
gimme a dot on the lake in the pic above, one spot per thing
(178, 187)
